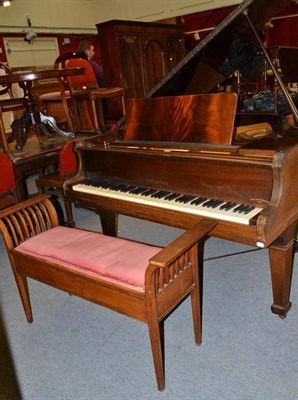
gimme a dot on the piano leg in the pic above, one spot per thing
(281, 263)
(109, 223)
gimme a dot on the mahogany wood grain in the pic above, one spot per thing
(196, 118)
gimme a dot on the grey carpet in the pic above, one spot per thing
(75, 350)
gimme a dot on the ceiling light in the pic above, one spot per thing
(6, 3)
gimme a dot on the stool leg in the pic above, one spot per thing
(22, 285)
(156, 332)
(196, 315)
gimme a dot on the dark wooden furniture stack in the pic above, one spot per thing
(32, 118)
(137, 55)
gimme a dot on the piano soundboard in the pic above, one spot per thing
(190, 204)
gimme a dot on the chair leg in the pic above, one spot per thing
(98, 116)
(3, 138)
(69, 215)
(67, 112)
(22, 285)
(85, 116)
(156, 333)
(40, 188)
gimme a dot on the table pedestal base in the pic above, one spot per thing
(41, 124)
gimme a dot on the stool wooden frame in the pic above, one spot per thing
(172, 274)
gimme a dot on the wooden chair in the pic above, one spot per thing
(55, 180)
(8, 192)
(143, 282)
(48, 100)
(8, 104)
(84, 89)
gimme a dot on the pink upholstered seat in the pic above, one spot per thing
(120, 260)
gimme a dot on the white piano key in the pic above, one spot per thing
(189, 208)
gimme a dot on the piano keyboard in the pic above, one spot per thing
(212, 208)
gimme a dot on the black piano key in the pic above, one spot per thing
(239, 208)
(138, 190)
(217, 203)
(225, 205)
(228, 206)
(198, 201)
(172, 196)
(88, 182)
(120, 187)
(209, 203)
(149, 192)
(249, 209)
(142, 191)
(127, 188)
(188, 198)
(181, 199)
(185, 198)
(115, 185)
(243, 209)
(103, 184)
(160, 194)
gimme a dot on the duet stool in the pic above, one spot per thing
(141, 281)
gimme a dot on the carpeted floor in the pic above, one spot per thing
(76, 350)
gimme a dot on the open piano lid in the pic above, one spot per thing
(231, 46)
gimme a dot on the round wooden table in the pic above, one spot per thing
(32, 116)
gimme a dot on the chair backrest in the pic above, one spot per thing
(87, 80)
(5, 89)
(67, 159)
(60, 61)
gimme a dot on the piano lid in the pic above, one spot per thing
(231, 46)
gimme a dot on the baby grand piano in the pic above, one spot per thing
(249, 189)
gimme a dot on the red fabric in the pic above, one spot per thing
(7, 179)
(81, 80)
(120, 260)
(68, 161)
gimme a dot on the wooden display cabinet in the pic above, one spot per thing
(137, 55)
